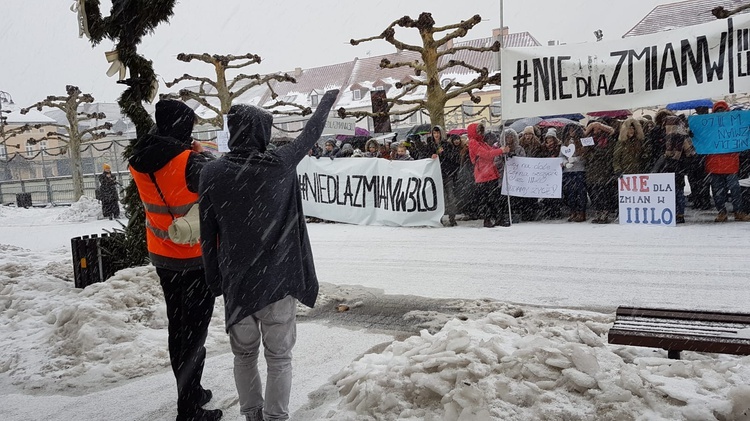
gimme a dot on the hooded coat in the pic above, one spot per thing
(254, 239)
(171, 137)
(482, 156)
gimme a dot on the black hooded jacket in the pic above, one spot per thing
(171, 137)
(253, 234)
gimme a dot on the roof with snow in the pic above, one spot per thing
(485, 59)
(14, 117)
(670, 16)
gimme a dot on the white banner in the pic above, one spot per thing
(372, 191)
(701, 61)
(647, 199)
(533, 177)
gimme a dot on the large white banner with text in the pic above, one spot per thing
(702, 61)
(372, 191)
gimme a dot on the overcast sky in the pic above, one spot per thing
(40, 51)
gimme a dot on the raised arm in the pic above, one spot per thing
(293, 153)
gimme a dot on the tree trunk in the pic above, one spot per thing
(74, 148)
(435, 94)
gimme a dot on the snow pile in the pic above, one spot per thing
(85, 209)
(544, 365)
(57, 337)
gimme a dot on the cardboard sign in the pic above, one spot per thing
(647, 199)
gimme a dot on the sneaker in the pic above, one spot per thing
(201, 414)
(721, 217)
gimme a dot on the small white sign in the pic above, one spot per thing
(587, 141)
(222, 137)
(335, 125)
(569, 150)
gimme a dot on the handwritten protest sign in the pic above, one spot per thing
(647, 199)
(533, 177)
(721, 132)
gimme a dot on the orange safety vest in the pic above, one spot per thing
(159, 215)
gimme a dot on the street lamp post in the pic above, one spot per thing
(5, 97)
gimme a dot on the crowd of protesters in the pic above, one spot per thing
(472, 167)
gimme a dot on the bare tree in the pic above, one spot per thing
(435, 53)
(227, 91)
(70, 134)
(721, 13)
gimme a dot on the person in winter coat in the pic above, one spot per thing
(330, 150)
(530, 143)
(600, 179)
(402, 154)
(372, 149)
(433, 143)
(166, 167)
(108, 193)
(678, 149)
(346, 151)
(632, 154)
(526, 207)
(486, 176)
(723, 169)
(550, 208)
(450, 163)
(257, 252)
(574, 173)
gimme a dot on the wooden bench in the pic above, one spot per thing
(682, 330)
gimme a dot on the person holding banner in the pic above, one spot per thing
(257, 252)
(632, 154)
(486, 176)
(450, 163)
(723, 169)
(574, 171)
(678, 151)
(600, 180)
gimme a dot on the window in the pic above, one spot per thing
(43, 145)
(414, 117)
(357, 94)
(314, 100)
(3, 152)
(29, 149)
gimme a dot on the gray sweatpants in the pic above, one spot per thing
(275, 325)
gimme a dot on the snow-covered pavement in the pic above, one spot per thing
(538, 352)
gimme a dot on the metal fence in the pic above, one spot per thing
(47, 175)
(54, 190)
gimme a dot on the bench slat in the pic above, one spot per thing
(681, 330)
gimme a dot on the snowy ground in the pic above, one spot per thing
(530, 343)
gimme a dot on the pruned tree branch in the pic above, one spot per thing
(224, 89)
(721, 13)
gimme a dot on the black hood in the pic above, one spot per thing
(175, 119)
(152, 152)
(249, 128)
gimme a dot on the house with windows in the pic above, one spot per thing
(19, 153)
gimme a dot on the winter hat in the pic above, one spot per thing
(175, 119)
(529, 130)
(357, 154)
(331, 142)
(551, 133)
(106, 167)
(720, 106)
(346, 147)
